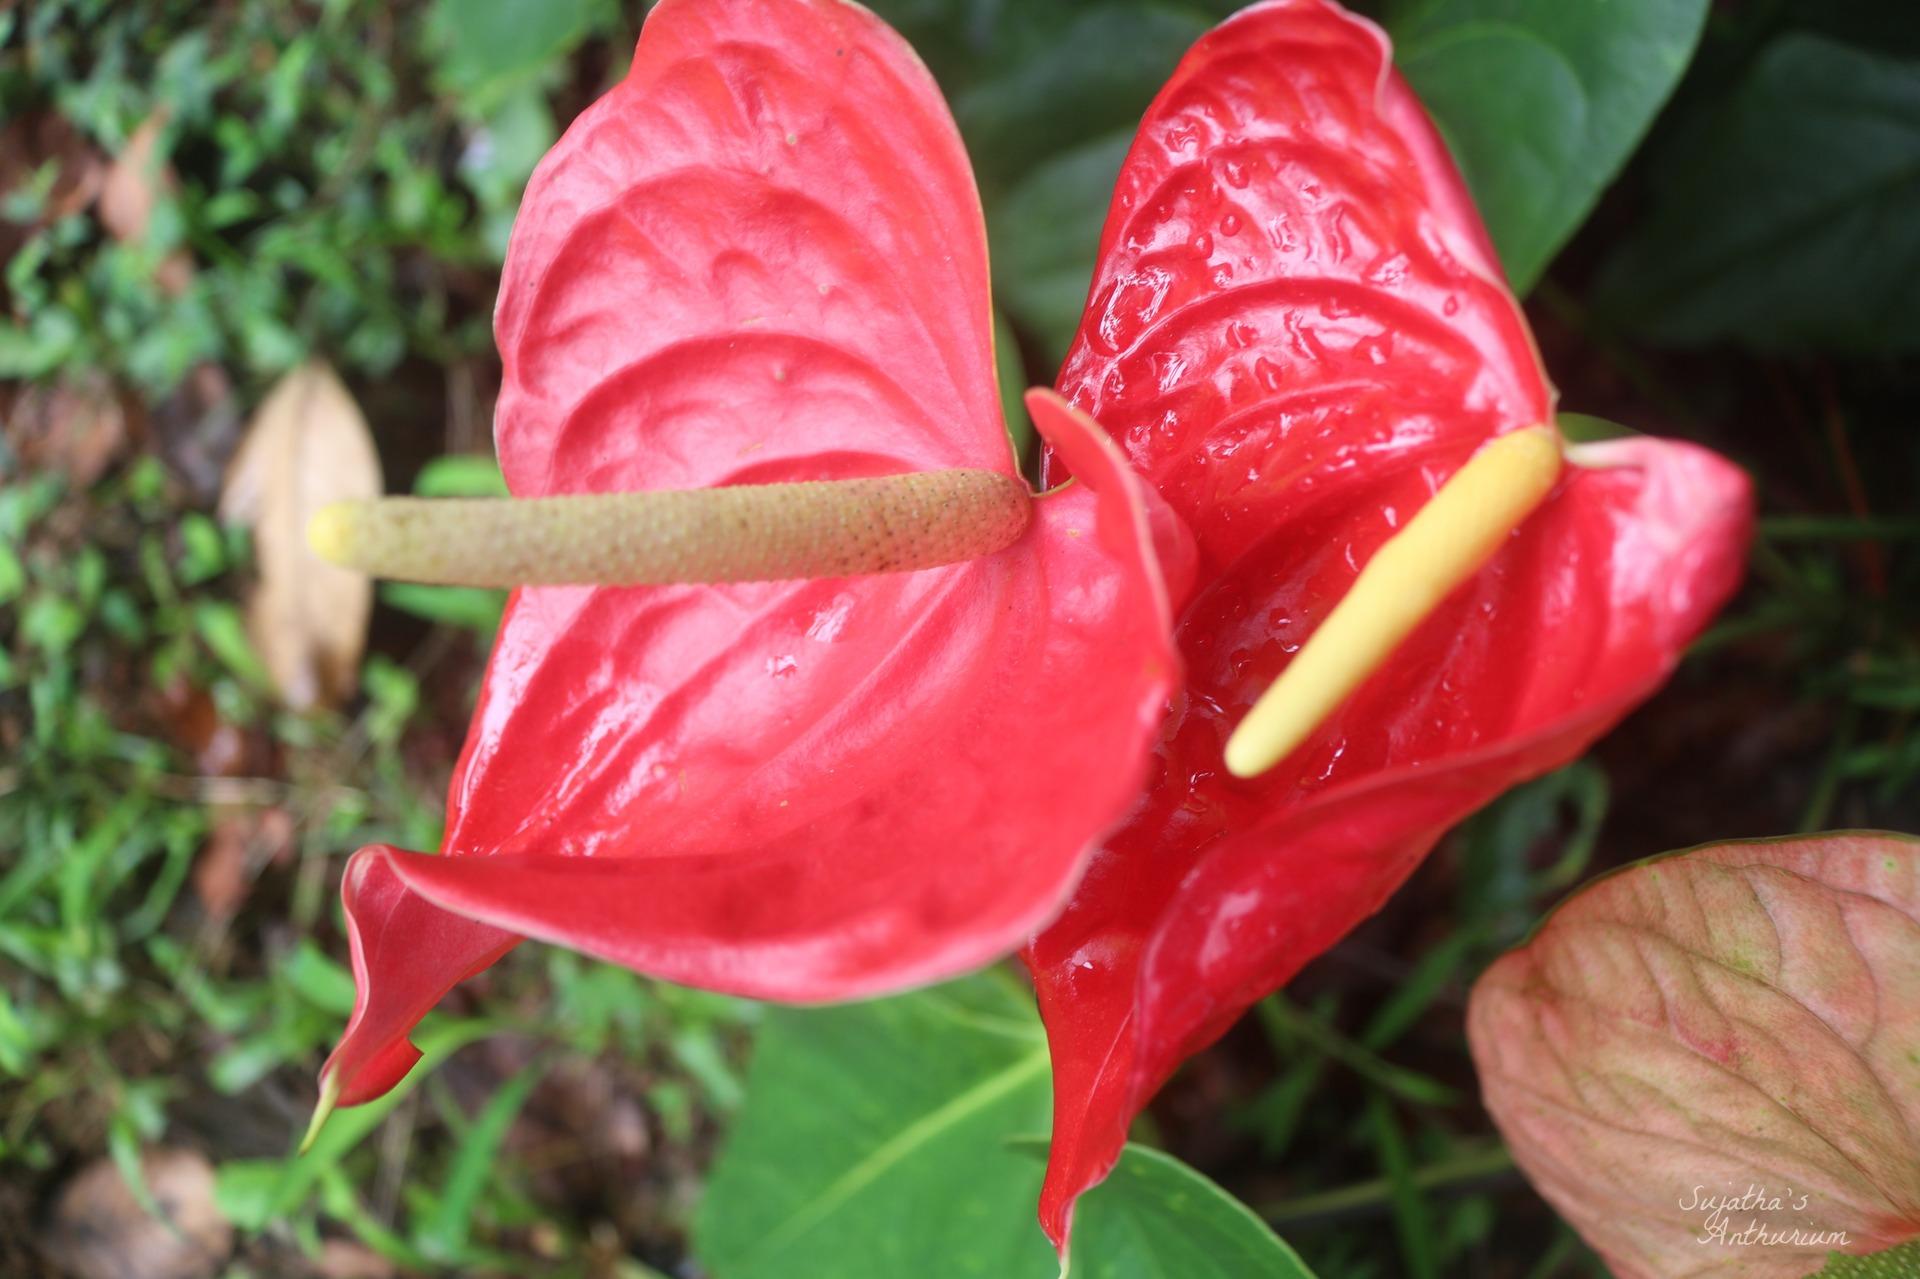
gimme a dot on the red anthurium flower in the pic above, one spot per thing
(1298, 331)
(761, 259)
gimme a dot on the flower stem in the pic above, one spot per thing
(743, 533)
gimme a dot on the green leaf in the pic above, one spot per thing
(252, 1193)
(318, 978)
(13, 575)
(1080, 71)
(203, 549)
(1156, 1218)
(1894, 1263)
(445, 1234)
(1047, 94)
(1584, 428)
(1009, 370)
(1787, 214)
(1542, 103)
(485, 48)
(904, 1137)
(460, 475)
(514, 135)
(1045, 234)
(470, 606)
(874, 1142)
(224, 632)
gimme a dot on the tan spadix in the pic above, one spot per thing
(742, 533)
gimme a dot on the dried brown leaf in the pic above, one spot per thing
(308, 445)
(196, 429)
(240, 843)
(1709, 1063)
(32, 141)
(78, 427)
(344, 1259)
(98, 1230)
(135, 183)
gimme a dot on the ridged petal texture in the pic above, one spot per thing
(1706, 1062)
(1297, 331)
(761, 258)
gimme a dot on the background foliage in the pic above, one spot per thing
(196, 198)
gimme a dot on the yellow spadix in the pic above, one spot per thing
(1443, 545)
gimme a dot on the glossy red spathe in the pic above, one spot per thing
(1298, 331)
(761, 258)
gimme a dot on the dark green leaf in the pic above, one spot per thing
(1789, 214)
(1045, 234)
(1542, 103)
(1047, 94)
(1087, 71)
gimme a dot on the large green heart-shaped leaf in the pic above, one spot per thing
(1047, 94)
(1710, 1062)
(1044, 232)
(903, 1137)
(1542, 102)
(1788, 213)
(873, 1141)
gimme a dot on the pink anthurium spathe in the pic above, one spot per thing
(1298, 332)
(760, 260)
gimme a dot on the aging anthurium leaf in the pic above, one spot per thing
(1299, 333)
(760, 258)
(1542, 103)
(1707, 1061)
(901, 1137)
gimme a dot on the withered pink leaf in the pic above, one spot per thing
(1709, 1062)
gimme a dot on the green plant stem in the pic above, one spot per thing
(1839, 528)
(1284, 1021)
(1826, 787)
(1368, 1198)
